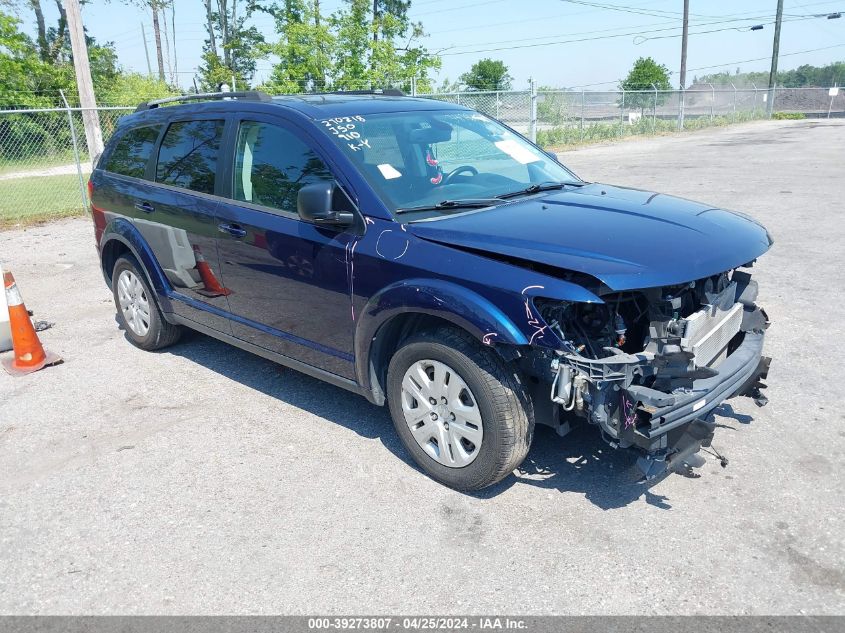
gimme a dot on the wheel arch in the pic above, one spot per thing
(121, 237)
(416, 305)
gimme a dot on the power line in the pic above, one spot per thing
(759, 59)
(590, 39)
(733, 28)
(459, 8)
(725, 64)
(656, 13)
(740, 17)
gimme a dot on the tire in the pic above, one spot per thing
(496, 391)
(146, 329)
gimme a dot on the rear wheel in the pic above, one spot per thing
(461, 412)
(137, 310)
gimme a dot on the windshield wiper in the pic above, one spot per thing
(468, 203)
(538, 187)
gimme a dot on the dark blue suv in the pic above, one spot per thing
(426, 256)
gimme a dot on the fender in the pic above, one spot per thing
(122, 230)
(449, 301)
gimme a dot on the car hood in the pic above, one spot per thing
(626, 238)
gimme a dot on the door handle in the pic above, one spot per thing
(232, 229)
(146, 207)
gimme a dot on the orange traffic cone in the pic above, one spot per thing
(29, 356)
(211, 287)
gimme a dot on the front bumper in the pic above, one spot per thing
(677, 430)
(739, 374)
(668, 425)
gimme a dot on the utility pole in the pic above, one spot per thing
(146, 51)
(90, 116)
(157, 33)
(173, 33)
(684, 39)
(773, 75)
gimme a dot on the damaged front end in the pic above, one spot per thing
(649, 366)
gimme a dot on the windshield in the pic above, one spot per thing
(415, 161)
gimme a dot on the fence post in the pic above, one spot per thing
(76, 152)
(622, 116)
(712, 100)
(754, 107)
(734, 115)
(413, 86)
(497, 104)
(532, 125)
(654, 112)
(584, 105)
(832, 97)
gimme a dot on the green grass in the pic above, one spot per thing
(40, 162)
(569, 135)
(788, 116)
(28, 201)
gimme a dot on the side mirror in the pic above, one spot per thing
(315, 203)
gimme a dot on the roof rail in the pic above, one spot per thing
(387, 92)
(250, 95)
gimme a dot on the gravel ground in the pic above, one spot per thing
(205, 480)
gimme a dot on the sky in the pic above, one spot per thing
(558, 43)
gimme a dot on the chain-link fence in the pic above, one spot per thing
(566, 117)
(44, 160)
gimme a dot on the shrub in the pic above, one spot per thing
(572, 134)
(788, 116)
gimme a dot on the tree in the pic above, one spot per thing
(396, 8)
(447, 85)
(155, 7)
(353, 30)
(231, 47)
(49, 40)
(646, 75)
(28, 80)
(304, 49)
(132, 88)
(352, 50)
(801, 77)
(488, 74)
(393, 59)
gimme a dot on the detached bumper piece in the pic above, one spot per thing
(673, 427)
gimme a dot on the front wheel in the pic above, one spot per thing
(461, 412)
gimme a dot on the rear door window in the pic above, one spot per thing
(132, 152)
(272, 165)
(188, 155)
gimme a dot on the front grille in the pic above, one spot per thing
(709, 331)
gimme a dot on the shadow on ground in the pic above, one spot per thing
(582, 463)
(579, 463)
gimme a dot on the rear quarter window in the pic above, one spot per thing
(132, 151)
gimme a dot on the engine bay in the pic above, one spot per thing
(649, 366)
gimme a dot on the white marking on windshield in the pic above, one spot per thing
(519, 153)
(389, 171)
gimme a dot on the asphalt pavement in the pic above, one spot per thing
(202, 479)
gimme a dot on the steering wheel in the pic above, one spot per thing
(459, 170)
